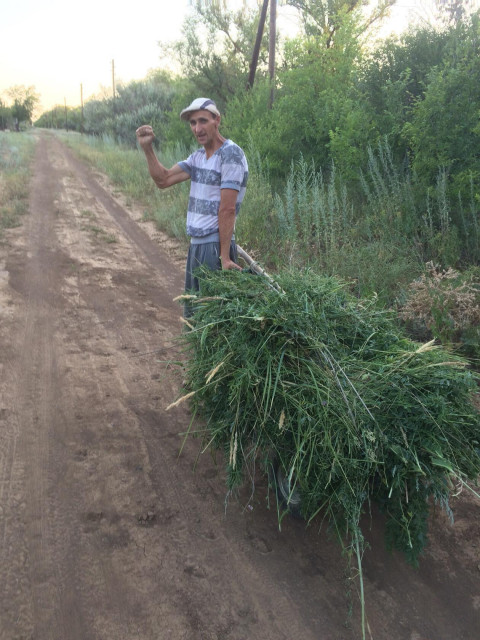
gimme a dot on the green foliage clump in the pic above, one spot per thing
(331, 388)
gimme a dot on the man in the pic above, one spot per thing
(218, 173)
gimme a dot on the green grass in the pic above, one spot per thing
(330, 388)
(16, 154)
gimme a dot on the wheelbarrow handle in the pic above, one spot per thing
(256, 268)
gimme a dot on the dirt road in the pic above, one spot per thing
(106, 533)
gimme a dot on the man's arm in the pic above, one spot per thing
(226, 225)
(162, 177)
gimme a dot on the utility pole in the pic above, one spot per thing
(258, 42)
(113, 84)
(66, 121)
(271, 49)
(81, 102)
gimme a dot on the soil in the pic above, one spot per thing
(109, 529)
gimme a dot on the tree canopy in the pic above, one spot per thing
(23, 101)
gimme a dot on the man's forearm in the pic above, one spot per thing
(157, 171)
(226, 226)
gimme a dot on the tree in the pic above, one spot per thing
(394, 75)
(25, 100)
(318, 111)
(444, 134)
(452, 12)
(5, 115)
(216, 48)
(444, 127)
(149, 101)
(61, 117)
(439, 137)
(326, 17)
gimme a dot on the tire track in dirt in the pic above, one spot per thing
(174, 506)
(36, 410)
(171, 280)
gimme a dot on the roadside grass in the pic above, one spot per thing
(16, 153)
(311, 221)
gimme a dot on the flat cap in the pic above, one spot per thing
(197, 105)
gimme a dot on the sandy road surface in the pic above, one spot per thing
(105, 533)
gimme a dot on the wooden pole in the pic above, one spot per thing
(81, 102)
(256, 268)
(271, 50)
(113, 85)
(66, 120)
(258, 42)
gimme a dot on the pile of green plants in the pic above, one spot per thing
(302, 374)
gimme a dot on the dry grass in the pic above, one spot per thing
(445, 304)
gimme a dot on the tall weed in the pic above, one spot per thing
(256, 228)
(470, 225)
(313, 215)
(312, 221)
(390, 194)
(440, 236)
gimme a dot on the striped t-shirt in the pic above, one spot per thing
(227, 168)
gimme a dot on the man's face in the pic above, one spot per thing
(204, 126)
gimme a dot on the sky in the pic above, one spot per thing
(66, 51)
(58, 46)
